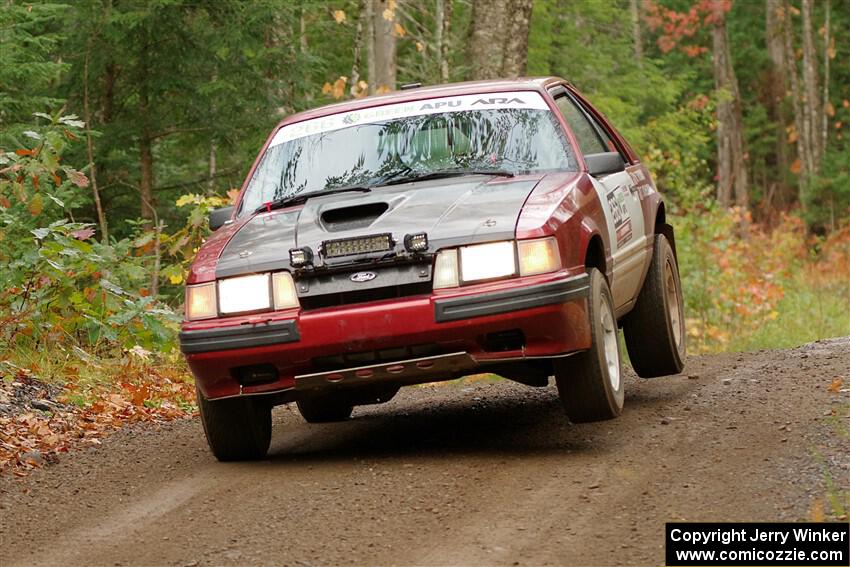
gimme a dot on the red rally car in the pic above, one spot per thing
(499, 226)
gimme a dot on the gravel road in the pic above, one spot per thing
(463, 474)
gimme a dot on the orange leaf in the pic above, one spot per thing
(835, 386)
(796, 166)
(35, 182)
(830, 110)
(25, 152)
(339, 16)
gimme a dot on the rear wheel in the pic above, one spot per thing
(590, 383)
(237, 429)
(324, 409)
(655, 328)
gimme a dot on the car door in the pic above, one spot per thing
(619, 197)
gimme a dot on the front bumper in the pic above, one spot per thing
(549, 312)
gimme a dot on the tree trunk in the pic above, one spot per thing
(101, 216)
(444, 23)
(827, 38)
(385, 45)
(778, 88)
(145, 146)
(517, 19)
(487, 38)
(811, 103)
(213, 169)
(637, 37)
(358, 48)
(803, 150)
(371, 71)
(732, 171)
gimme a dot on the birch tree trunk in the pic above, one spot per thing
(811, 103)
(384, 18)
(487, 38)
(732, 171)
(371, 72)
(515, 54)
(443, 32)
(637, 37)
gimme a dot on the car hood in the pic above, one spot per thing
(452, 212)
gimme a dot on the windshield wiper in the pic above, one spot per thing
(446, 173)
(302, 197)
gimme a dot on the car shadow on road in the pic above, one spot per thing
(496, 419)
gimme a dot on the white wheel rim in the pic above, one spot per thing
(609, 341)
(673, 303)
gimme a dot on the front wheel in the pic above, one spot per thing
(590, 383)
(237, 429)
(655, 328)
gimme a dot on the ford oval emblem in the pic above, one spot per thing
(361, 277)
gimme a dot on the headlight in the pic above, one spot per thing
(487, 261)
(285, 296)
(538, 256)
(200, 301)
(445, 269)
(245, 293)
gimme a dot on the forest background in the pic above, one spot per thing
(123, 122)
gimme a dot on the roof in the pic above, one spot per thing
(419, 93)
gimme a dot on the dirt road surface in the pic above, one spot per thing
(470, 474)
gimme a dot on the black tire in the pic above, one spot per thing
(590, 383)
(655, 328)
(324, 409)
(237, 429)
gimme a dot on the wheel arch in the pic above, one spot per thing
(594, 255)
(663, 227)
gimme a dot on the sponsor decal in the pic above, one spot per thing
(642, 187)
(351, 118)
(361, 277)
(620, 213)
(522, 100)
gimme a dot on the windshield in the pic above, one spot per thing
(493, 132)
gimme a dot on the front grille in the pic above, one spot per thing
(354, 359)
(364, 295)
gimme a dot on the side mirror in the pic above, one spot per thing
(603, 163)
(220, 217)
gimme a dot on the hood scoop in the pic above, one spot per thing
(352, 218)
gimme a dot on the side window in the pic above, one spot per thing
(586, 133)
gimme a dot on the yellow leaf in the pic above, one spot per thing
(338, 90)
(389, 15)
(399, 30)
(36, 205)
(339, 16)
(176, 279)
(419, 47)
